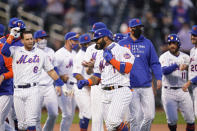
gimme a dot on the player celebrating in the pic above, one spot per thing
(113, 70)
(146, 63)
(91, 55)
(28, 63)
(6, 88)
(64, 58)
(47, 90)
(174, 64)
(82, 97)
(192, 68)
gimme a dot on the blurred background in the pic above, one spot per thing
(57, 17)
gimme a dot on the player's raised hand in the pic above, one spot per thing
(107, 55)
(82, 83)
(1, 79)
(159, 84)
(186, 86)
(14, 31)
(58, 90)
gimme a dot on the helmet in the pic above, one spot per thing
(118, 36)
(174, 38)
(98, 25)
(12, 22)
(18, 23)
(102, 33)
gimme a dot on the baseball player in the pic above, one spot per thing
(64, 57)
(82, 97)
(6, 88)
(47, 90)
(146, 63)
(193, 68)
(174, 64)
(91, 55)
(112, 69)
(27, 63)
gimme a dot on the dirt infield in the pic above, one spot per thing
(155, 127)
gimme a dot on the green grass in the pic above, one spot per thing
(160, 118)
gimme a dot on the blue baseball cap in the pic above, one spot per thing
(71, 36)
(39, 34)
(118, 36)
(102, 33)
(2, 29)
(84, 39)
(135, 22)
(194, 30)
(174, 38)
(97, 25)
(12, 22)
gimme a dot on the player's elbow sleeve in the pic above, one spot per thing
(128, 67)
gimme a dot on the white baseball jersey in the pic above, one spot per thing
(92, 53)
(193, 63)
(64, 60)
(78, 67)
(96, 92)
(27, 65)
(109, 75)
(177, 78)
(45, 79)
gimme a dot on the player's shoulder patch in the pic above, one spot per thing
(127, 56)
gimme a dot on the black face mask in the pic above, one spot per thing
(137, 32)
(101, 45)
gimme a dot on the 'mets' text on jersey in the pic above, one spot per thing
(27, 65)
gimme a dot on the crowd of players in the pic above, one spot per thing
(109, 77)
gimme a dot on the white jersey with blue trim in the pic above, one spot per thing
(109, 75)
(193, 63)
(27, 65)
(177, 78)
(64, 60)
(77, 64)
(45, 79)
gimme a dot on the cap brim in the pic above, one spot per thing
(75, 39)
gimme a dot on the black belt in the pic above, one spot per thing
(174, 88)
(111, 88)
(70, 82)
(26, 86)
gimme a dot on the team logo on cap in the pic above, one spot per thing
(86, 38)
(138, 21)
(171, 37)
(43, 32)
(127, 56)
(195, 28)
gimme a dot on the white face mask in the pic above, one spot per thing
(42, 44)
(17, 35)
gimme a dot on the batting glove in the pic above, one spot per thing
(14, 31)
(107, 55)
(82, 83)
